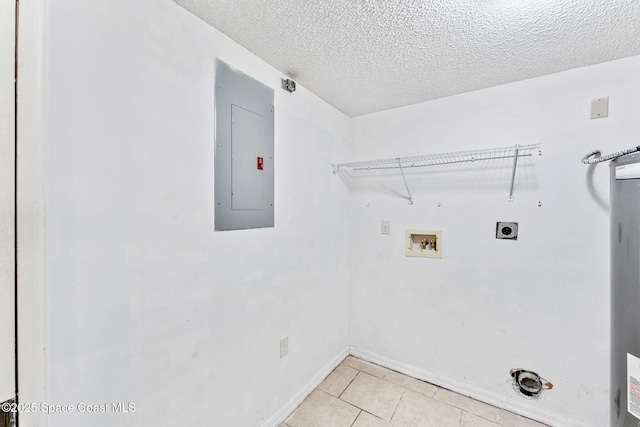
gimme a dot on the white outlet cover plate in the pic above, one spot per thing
(600, 107)
(284, 346)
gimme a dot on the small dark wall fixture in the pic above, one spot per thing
(288, 85)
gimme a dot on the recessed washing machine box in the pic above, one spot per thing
(244, 163)
(423, 243)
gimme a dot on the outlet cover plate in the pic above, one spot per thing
(600, 107)
(284, 346)
(507, 230)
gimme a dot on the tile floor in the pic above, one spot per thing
(361, 394)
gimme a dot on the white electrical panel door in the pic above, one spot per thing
(244, 152)
(247, 171)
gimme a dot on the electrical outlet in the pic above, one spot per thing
(507, 230)
(385, 226)
(284, 346)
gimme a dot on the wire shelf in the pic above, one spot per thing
(515, 152)
(440, 159)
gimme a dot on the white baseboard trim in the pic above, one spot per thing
(465, 389)
(284, 412)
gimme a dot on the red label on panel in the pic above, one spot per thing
(260, 163)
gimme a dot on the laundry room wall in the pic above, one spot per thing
(145, 303)
(540, 302)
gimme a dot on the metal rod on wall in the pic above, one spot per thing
(513, 173)
(405, 182)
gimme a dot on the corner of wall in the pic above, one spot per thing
(31, 263)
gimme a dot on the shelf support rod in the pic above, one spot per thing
(405, 181)
(513, 173)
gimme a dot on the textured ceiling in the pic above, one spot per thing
(364, 56)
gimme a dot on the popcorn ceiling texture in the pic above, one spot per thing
(364, 56)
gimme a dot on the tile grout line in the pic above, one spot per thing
(495, 421)
(383, 379)
(408, 376)
(377, 417)
(350, 382)
(357, 416)
(344, 401)
(362, 410)
(396, 408)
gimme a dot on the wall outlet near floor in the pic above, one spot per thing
(385, 226)
(284, 346)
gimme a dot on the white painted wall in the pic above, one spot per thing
(30, 181)
(145, 303)
(7, 200)
(540, 302)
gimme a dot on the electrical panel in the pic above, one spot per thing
(244, 152)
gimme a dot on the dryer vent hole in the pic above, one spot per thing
(528, 383)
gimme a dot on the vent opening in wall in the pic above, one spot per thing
(528, 383)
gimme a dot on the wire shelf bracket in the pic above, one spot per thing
(402, 163)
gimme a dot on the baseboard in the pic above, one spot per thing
(284, 412)
(464, 389)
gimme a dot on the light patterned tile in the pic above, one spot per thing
(411, 383)
(365, 419)
(467, 404)
(347, 361)
(508, 419)
(374, 395)
(338, 380)
(471, 420)
(417, 410)
(369, 368)
(321, 409)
